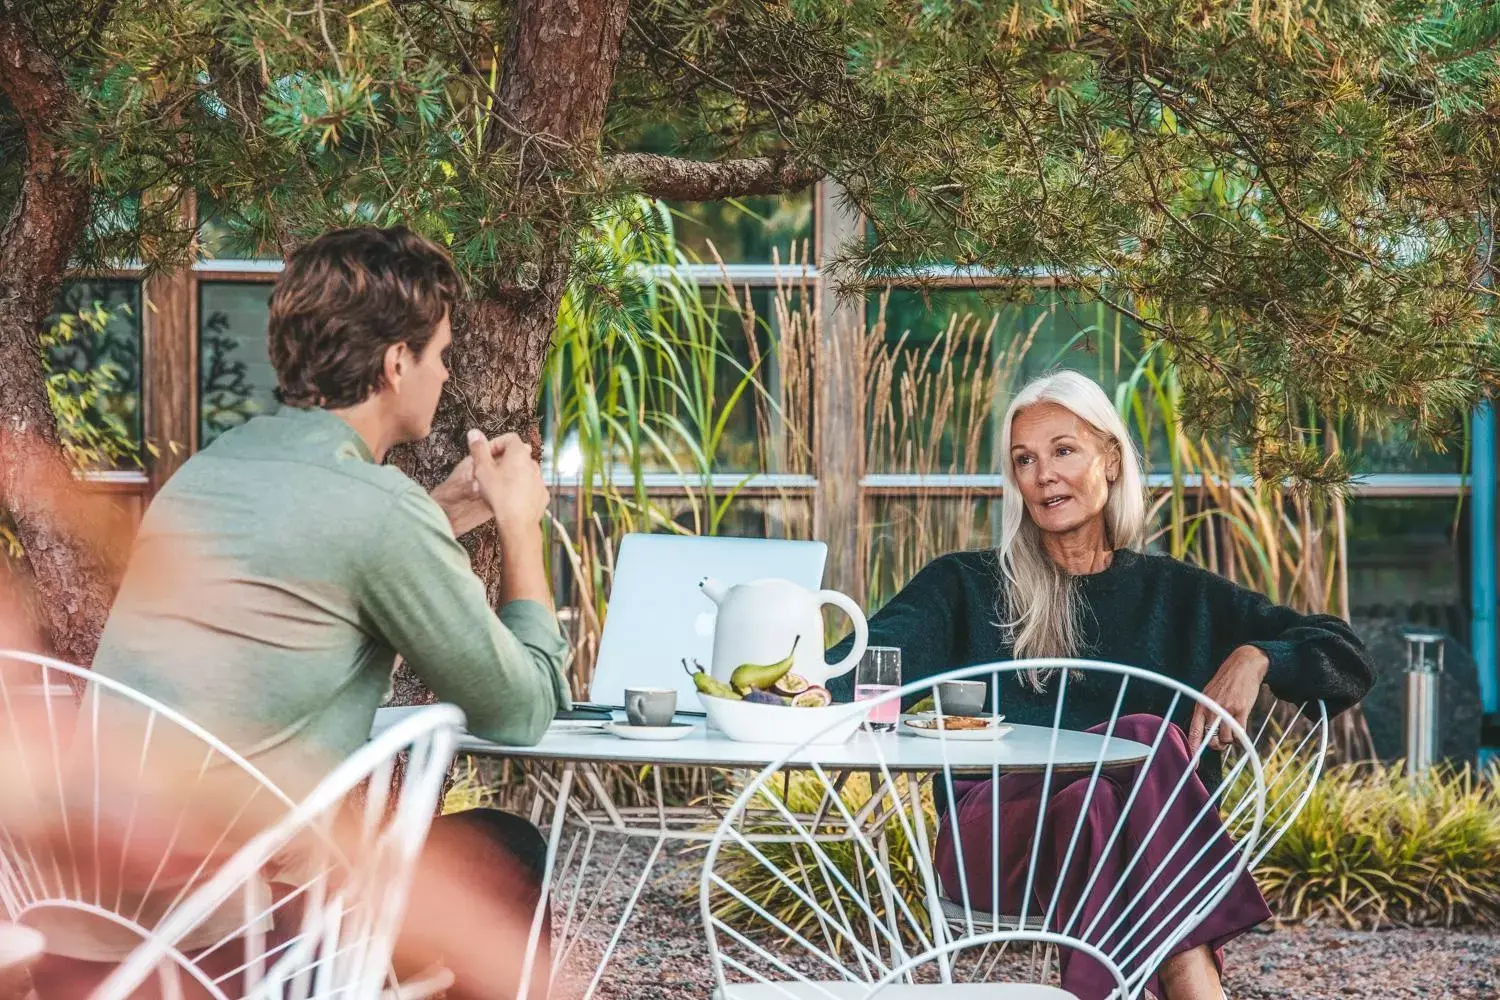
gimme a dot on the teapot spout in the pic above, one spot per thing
(712, 589)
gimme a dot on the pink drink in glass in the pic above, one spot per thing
(882, 718)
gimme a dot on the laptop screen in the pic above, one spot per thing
(657, 616)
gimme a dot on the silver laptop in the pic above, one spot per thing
(657, 616)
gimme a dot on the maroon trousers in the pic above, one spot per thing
(1147, 880)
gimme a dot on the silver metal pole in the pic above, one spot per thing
(1424, 667)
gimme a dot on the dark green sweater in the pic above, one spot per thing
(1148, 611)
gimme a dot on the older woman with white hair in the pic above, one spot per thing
(1070, 580)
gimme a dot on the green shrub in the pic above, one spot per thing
(802, 792)
(1374, 847)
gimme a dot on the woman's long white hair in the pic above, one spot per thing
(1039, 613)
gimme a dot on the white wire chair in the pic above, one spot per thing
(846, 913)
(355, 851)
(19, 947)
(1292, 741)
(116, 811)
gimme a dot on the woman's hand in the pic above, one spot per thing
(1233, 688)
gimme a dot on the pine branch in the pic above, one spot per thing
(677, 179)
(98, 21)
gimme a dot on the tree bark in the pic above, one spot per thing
(559, 64)
(35, 245)
(496, 358)
(676, 179)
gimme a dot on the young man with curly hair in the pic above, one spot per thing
(310, 566)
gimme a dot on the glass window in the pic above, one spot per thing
(944, 363)
(703, 381)
(935, 424)
(901, 534)
(94, 354)
(767, 361)
(1392, 448)
(1404, 560)
(746, 230)
(235, 377)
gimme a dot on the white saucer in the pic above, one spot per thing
(626, 731)
(993, 732)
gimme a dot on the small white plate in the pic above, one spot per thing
(993, 732)
(625, 731)
(933, 715)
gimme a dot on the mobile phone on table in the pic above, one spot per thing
(584, 712)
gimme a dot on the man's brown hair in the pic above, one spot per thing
(343, 300)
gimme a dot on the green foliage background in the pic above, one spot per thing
(1295, 196)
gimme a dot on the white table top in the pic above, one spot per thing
(1025, 748)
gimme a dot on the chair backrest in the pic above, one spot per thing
(1292, 741)
(104, 802)
(343, 859)
(933, 856)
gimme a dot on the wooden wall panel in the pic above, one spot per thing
(838, 406)
(169, 372)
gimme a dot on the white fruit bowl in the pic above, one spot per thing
(749, 722)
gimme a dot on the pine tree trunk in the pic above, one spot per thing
(558, 68)
(72, 589)
(496, 359)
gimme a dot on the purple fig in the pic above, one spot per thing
(813, 697)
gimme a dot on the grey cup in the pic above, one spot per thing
(650, 706)
(961, 697)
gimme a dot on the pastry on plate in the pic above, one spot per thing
(951, 722)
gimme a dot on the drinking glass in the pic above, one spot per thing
(879, 671)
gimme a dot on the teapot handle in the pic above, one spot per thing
(861, 630)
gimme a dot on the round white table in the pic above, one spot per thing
(1024, 748)
(582, 749)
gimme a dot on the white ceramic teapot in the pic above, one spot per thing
(760, 621)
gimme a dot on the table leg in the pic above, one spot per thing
(614, 939)
(923, 857)
(554, 837)
(888, 898)
(575, 784)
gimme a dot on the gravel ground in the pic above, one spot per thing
(662, 955)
